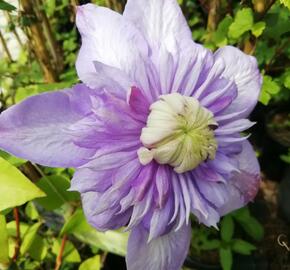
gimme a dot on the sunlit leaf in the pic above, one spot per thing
(93, 263)
(269, 89)
(29, 238)
(31, 211)
(70, 253)
(55, 187)
(112, 241)
(15, 188)
(258, 28)
(286, 3)
(243, 22)
(38, 249)
(4, 253)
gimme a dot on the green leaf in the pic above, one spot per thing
(15, 188)
(269, 89)
(253, 228)
(243, 22)
(286, 158)
(38, 249)
(31, 211)
(250, 225)
(12, 159)
(210, 244)
(11, 228)
(70, 253)
(242, 247)
(258, 28)
(286, 3)
(4, 254)
(226, 258)
(220, 35)
(227, 228)
(55, 187)
(93, 263)
(5, 6)
(29, 238)
(111, 241)
(286, 78)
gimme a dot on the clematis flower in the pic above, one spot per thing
(154, 131)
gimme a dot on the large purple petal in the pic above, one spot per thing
(244, 71)
(37, 129)
(108, 39)
(166, 252)
(161, 22)
(243, 186)
(108, 219)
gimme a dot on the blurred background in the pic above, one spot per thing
(38, 48)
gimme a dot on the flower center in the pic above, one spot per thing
(179, 132)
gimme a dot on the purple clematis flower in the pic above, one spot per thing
(154, 131)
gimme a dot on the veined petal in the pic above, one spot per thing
(107, 220)
(110, 39)
(37, 129)
(243, 186)
(166, 252)
(161, 22)
(244, 71)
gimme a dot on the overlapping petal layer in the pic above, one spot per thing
(127, 62)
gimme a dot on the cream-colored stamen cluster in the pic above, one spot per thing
(179, 132)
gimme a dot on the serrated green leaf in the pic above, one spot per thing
(31, 211)
(93, 263)
(242, 247)
(226, 258)
(55, 187)
(15, 188)
(70, 253)
(6, 6)
(258, 28)
(243, 22)
(4, 254)
(286, 3)
(269, 89)
(227, 228)
(220, 35)
(29, 237)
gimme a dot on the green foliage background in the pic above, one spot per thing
(38, 214)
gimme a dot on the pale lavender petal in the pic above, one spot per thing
(166, 252)
(107, 220)
(244, 71)
(160, 220)
(243, 186)
(110, 39)
(161, 22)
(234, 127)
(38, 128)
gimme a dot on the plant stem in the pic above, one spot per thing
(60, 254)
(5, 47)
(18, 237)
